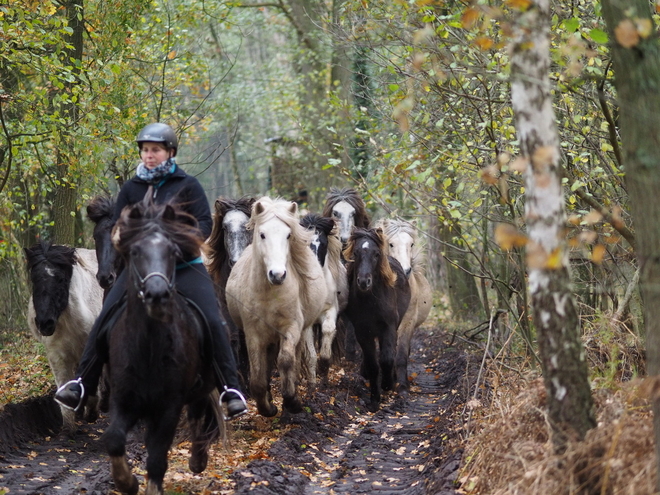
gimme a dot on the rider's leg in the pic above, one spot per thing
(195, 283)
(74, 393)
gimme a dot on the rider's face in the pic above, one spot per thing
(153, 154)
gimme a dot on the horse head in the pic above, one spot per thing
(367, 253)
(100, 211)
(401, 237)
(153, 239)
(322, 227)
(347, 208)
(51, 269)
(276, 231)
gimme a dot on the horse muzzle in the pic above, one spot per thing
(276, 278)
(46, 327)
(364, 283)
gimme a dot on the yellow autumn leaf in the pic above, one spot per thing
(489, 174)
(508, 236)
(518, 4)
(626, 34)
(554, 261)
(592, 217)
(483, 42)
(598, 253)
(171, 55)
(519, 165)
(469, 18)
(644, 27)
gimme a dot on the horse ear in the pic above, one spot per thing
(258, 208)
(168, 213)
(293, 208)
(134, 211)
(221, 206)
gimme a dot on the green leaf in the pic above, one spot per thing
(572, 25)
(599, 36)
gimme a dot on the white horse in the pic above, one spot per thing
(403, 246)
(65, 301)
(327, 248)
(275, 292)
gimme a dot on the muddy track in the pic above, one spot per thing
(334, 447)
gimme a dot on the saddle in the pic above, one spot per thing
(116, 310)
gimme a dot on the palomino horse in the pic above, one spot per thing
(64, 303)
(275, 292)
(226, 243)
(402, 245)
(347, 208)
(378, 298)
(155, 347)
(100, 210)
(327, 247)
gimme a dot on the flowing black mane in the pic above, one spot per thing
(146, 218)
(216, 241)
(58, 255)
(352, 197)
(100, 207)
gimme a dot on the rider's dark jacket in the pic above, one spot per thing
(179, 187)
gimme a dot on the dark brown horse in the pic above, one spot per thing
(156, 356)
(100, 210)
(378, 298)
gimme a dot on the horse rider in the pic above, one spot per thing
(158, 169)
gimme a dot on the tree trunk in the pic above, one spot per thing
(637, 71)
(570, 405)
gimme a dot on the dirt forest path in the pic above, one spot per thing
(335, 447)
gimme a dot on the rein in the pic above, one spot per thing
(141, 281)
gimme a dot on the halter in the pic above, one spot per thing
(140, 282)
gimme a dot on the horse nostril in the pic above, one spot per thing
(276, 278)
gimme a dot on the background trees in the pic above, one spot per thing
(409, 102)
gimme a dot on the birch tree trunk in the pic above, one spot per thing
(555, 317)
(636, 55)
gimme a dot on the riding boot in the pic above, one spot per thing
(74, 394)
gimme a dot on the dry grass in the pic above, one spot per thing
(509, 449)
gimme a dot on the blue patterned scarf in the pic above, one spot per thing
(158, 173)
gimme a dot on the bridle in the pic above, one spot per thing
(140, 281)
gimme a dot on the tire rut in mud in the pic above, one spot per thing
(405, 448)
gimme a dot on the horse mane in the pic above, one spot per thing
(392, 227)
(327, 225)
(146, 218)
(216, 240)
(280, 208)
(59, 255)
(378, 237)
(100, 207)
(352, 197)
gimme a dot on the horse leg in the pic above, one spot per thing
(159, 438)
(387, 343)
(402, 352)
(328, 332)
(370, 366)
(351, 345)
(259, 378)
(203, 430)
(115, 444)
(286, 363)
(312, 358)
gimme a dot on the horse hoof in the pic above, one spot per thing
(197, 463)
(293, 405)
(132, 489)
(267, 411)
(373, 407)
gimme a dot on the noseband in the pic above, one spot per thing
(140, 281)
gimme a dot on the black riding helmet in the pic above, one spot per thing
(158, 133)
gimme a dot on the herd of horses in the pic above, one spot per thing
(285, 283)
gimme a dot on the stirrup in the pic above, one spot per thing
(223, 406)
(82, 394)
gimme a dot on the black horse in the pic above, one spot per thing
(378, 297)
(156, 356)
(100, 211)
(226, 243)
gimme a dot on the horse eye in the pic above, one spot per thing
(391, 245)
(262, 235)
(335, 214)
(289, 236)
